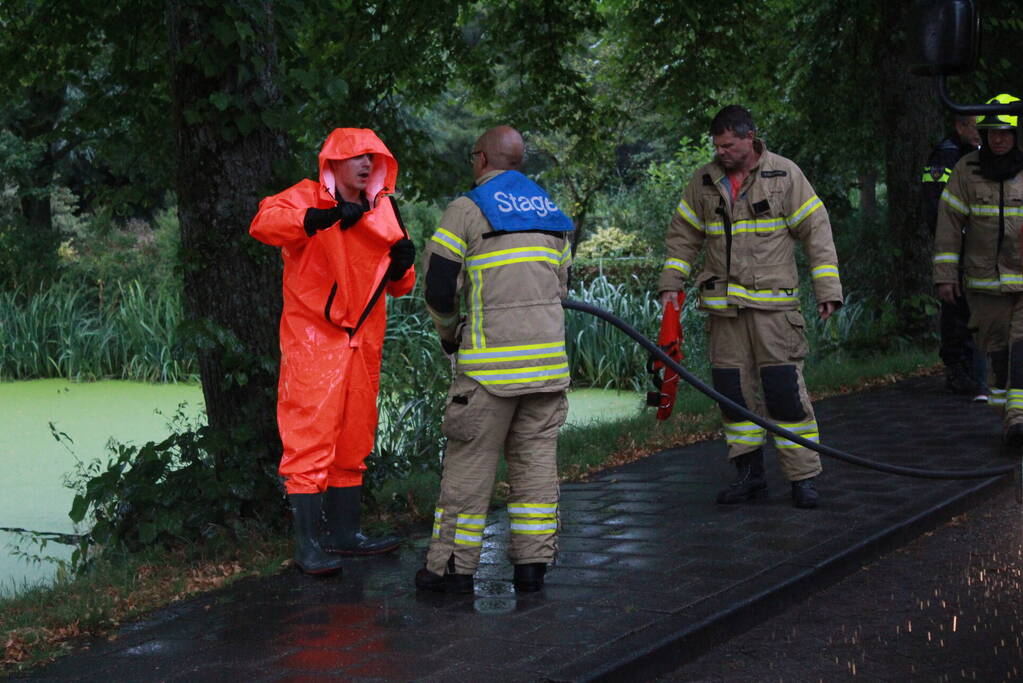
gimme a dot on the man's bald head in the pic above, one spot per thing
(503, 148)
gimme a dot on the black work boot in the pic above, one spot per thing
(1014, 438)
(448, 582)
(749, 483)
(529, 577)
(309, 556)
(804, 493)
(342, 508)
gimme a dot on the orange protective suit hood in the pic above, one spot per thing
(345, 143)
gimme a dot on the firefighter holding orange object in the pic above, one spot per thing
(747, 209)
(343, 246)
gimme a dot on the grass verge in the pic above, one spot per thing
(40, 624)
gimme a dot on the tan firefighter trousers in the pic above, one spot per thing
(479, 427)
(998, 320)
(756, 360)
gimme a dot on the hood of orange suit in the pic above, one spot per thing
(345, 143)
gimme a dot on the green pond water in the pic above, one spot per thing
(35, 464)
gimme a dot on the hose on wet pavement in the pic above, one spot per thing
(982, 473)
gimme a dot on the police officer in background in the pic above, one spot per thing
(965, 365)
(502, 249)
(984, 196)
(747, 208)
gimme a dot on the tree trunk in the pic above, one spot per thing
(232, 284)
(868, 193)
(912, 118)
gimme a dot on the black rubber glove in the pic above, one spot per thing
(345, 213)
(403, 255)
(449, 347)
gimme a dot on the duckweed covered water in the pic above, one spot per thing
(35, 464)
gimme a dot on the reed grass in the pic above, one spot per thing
(82, 333)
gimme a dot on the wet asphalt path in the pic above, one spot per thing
(946, 607)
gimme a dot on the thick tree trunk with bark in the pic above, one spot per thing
(232, 283)
(912, 119)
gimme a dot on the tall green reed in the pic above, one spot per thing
(78, 332)
(601, 355)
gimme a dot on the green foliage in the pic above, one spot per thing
(100, 250)
(610, 241)
(194, 486)
(414, 379)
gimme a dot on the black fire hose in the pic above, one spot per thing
(770, 426)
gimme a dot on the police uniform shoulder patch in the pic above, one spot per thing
(773, 174)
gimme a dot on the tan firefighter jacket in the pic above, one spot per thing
(511, 329)
(750, 261)
(993, 214)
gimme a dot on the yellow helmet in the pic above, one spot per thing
(999, 121)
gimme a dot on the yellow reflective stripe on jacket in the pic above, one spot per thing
(451, 241)
(533, 518)
(808, 207)
(714, 302)
(762, 295)
(494, 259)
(824, 271)
(540, 373)
(566, 253)
(992, 210)
(504, 257)
(947, 257)
(501, 354)
(757, 225)
(987, 284)
(955, 202)
(745, 433)
(1010, 279)
(438, 513)
(807, 430)
(678, 264)
(996, 397)
(687, 213)
(476, 302)
(469, 529)
(984, 285)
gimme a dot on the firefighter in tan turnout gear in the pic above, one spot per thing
(748, 208)
(985, 194)
(501, 251)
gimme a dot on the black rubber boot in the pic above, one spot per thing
(749, 483)
(309, 556)
(342, 507)
(804, 493)
(529, 577)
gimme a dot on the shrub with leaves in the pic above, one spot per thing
(195, 485)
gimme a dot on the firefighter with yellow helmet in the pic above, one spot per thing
(984, 195)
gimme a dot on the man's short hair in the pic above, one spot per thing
(734, 118)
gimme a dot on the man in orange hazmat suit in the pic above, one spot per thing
(343, 246)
